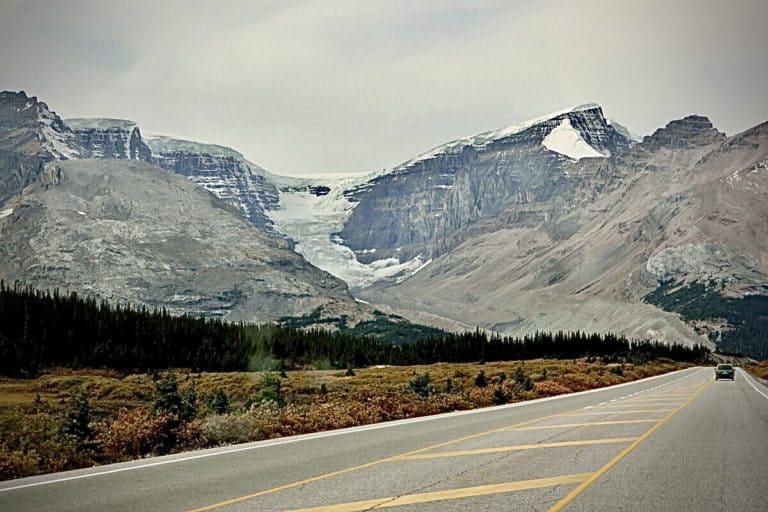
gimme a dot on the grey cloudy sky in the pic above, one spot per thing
(334, 85)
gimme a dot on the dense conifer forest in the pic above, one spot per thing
(39, 330)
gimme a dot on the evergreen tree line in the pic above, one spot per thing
(43, 329)
(341, 349)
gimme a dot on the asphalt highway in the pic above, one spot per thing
(676, 442)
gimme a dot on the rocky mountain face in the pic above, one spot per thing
(109, 139)
(582, 243)
(129, 232)
(218, 169)
(222, 171)
(421, 206)
(30, 135)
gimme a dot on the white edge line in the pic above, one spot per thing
(746, 377)
(318, 435)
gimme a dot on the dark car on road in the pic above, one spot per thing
(724, 371)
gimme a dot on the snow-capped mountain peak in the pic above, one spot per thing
(484, 139)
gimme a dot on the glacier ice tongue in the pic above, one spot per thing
(310, 220)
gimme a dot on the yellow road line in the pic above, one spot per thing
(606, 413)
(560, 505)
(687, 389)
(627, 405)
(299, 483)
(451, 494)
(519, 447)
(589, 424)
(660, 399)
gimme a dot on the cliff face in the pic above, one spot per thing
(110, 139)
(420, 207)
(220, 170)
(224, 172)
(30, 135)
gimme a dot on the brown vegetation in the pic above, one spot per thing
(122, 420)
(759, 369)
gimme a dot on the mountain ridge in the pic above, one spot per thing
(566, 221)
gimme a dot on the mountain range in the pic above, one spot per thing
(566, 222)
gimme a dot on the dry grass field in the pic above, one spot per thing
(760, 369)
(66, 419)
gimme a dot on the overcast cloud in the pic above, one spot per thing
(314, 86)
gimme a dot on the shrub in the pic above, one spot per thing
(33, 443)
(522, 380)
(17, 463)
(218, 402)
(190, 436)
(270, 390)
(77, 419)
(168, 400)
(262, 421)
(229, 428)
(551, 388)
(134, 434)
(500, 396)
(481, 380)
(421, 385)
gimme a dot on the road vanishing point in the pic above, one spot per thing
(679, 442)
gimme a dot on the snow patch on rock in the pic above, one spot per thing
(566, 140)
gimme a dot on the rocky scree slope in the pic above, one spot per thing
(128, 232)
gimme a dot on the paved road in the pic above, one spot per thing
(680, 441)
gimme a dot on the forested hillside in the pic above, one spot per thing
(745, 318)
